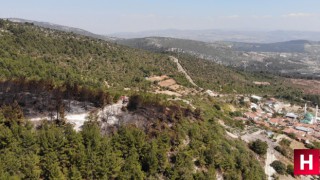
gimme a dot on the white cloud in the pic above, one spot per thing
(294, 15)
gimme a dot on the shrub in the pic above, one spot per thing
(217, 107)
(279, 167)
(290, 170)
(259, 147)
(235, 114)
(285, 142)
(292, 135)
(281, 150)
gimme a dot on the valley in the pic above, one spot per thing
(152, 108)
(298, 59)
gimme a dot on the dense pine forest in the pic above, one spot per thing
(191, 148)
(158, 90)
(47, 69)
(35, 53)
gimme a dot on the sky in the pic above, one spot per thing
(112, 16)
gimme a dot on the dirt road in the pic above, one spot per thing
(271, 153)
(181, 69)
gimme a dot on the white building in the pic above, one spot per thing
(304, 129)
(256, 97)
(292, 115)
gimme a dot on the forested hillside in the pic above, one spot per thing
(38, 53)
(297, 58)
(190, 148)
(30, 52)
(220, 78)
(61, 28)
(175, 140)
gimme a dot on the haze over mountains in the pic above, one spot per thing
(299, 58)
(62, 28)
(140, 108)
(146, 89)
(213, 35)
(227, 35)
(289, 53)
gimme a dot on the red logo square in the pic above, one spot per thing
(306, 161)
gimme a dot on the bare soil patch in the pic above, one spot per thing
(170, 93)
(261, 83)
(308, 86)
(167, 83)
(157, 78)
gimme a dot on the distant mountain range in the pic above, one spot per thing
(277, 51)
(226, 35)
(168, 44)
(30, 51)
(197, 35)
(299, 58)
(62, 28)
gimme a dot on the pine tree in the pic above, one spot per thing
(55, 172)
(132, 167)
(150, 163)
(75, 174)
